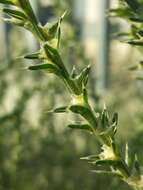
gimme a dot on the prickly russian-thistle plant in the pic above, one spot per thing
(132, 12)
(99, 125)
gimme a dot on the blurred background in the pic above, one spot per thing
(37, 150)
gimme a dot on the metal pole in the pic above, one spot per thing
(103, 49)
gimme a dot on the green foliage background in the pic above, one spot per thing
(36, 150)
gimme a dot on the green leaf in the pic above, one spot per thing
(59, 37)
(15, 13)
(85, 112)
(53, 55)
(79, 109)
(109, 132)
(59, 29)
(82, 78)
(26, 6)
(105, 162)
(54, 30)
(7, 2)
(51, 31)
(62, 109)
(116, 173)
(136, 42)
(116, 164)
(50, 68)
(81, 126)
(105, 119)
(104, 172)
(137, 165)
(90, 158)
(36, 55)
(136, 19)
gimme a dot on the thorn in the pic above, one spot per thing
(63, 15)
(84, 158)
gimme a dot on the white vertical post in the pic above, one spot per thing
(96, 40)
(89, 33)
(103, 48)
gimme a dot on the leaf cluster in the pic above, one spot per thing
(132, 12)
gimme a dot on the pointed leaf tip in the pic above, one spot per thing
(47, 67)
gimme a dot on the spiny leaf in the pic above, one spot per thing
(81, 126)
(47, 67)
(103, 172)
(52, 54)
(104, 119)
(36, 55)
(105, 162)
(18, 14)
(109, 132)
(81, 109)
(107, 172)
(62, 109)
(136, 42)
(137, 165)
(53, 31)
(59, 29)
(82, 78)
(26, 6)
(8, 2)
(90, 158)
(84, 112)
(136, 19)
(116, 164)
